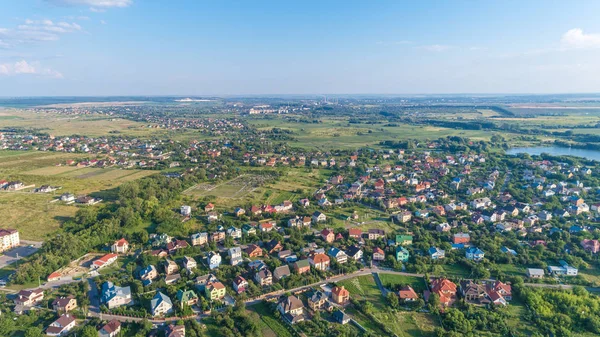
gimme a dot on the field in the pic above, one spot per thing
(409, 324)
(33, 214)
(364, 288)
(65, 125)
(260, 189)
(337, 133)
(270, 325)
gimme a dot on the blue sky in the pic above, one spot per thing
(159, 47)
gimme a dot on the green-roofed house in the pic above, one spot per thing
(402, 254)
(248, 230)
(302, 266)
(404, 239)
(187, 297)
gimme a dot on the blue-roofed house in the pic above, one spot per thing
(474, 253)
(508, 250)
(436, 253)
(161, 305)
(114, 296)
(576, 229)
(338, 254)
(458, 246)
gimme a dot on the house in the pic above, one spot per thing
(291, 309)
(407, 294)
(28, 298)
(317, 300)
(217, 236)
(374, 233)
(474, 254)
(104, 261)
(213, 260)
(354, 233)
(185, 210)
(248, 230)
(274, 246)
(240, 284)
(328, 235)
(474, 292)
(199, 239)
(266, 226)
(215, 290)
(160, 305)
(113, 296)
(64, 304)
(378, 254)
(354, 252)
(318, 217)
(239, 212)
(175, 331)
(172, 279)
(535, 273)
(186, 297)
(148, 274)
(591, 246)
(235, 256)
(461, 238)
(170, 267)
(505, 290)
(445, 289)
(175, 245)
(120, 246)
(340, 295)
(212, 217)
(508, 250)
(436, 253)
(202, 281)
(110, 329)
(319, 261)
(403, 239)
(234, 232)
(9, 238)
(54, 276)
(402, 217)
(264, 277)
(338, 254)
(340, 317)
(253, 251)
(61, 326)
(301, 266)
(209, 208)
(189, 263)
(281, 272)
(402, 254)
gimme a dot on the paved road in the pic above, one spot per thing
(12, 256)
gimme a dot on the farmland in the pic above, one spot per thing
(33, 214)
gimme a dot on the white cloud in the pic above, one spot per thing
(435, 47)
(392, 43)
(576, 39)
(95, 4)
(25, 68)
(103, 22)
(36, 31)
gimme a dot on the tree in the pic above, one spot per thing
(392, 299)
(89, 331)
(34, 332)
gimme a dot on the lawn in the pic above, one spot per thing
(272, 326)
(391, 280)
(364, 288)
(456, 271)
(406, 323)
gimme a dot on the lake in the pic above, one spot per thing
(556, 151)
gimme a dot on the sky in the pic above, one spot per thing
(190, 47)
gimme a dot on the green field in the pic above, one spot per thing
(33, 214)
(417, 283)
(337, 133)
(270, 325)
(409, 324)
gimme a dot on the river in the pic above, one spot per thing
(556, 151)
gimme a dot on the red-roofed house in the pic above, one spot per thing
(104, 261)
(120, 246)
(328, 235)
(445, 289)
